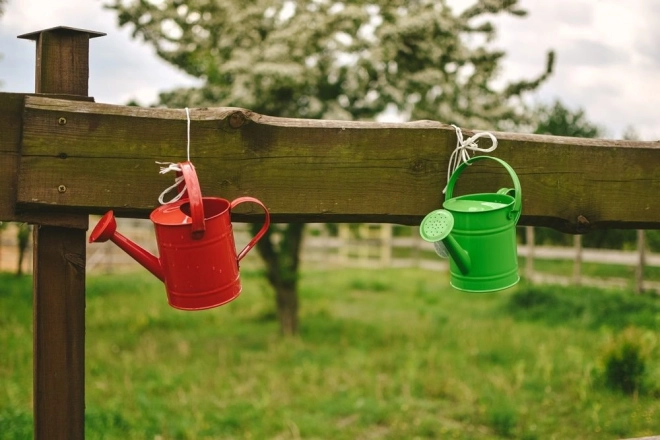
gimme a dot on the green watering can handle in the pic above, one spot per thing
(517, 205)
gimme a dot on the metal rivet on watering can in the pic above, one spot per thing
(478, 232)
(61, 121)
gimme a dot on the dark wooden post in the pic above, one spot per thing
(62, 66)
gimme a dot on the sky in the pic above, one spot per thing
(608, 56)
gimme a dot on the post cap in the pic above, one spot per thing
(63, 30)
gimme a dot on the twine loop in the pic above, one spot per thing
(175, 167)
(461, 153)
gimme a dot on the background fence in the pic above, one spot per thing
(369, 246)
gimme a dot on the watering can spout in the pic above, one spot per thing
(106, 229)
(458, 254)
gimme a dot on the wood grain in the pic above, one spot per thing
(59, 333)
(322, 171)
(11, 124)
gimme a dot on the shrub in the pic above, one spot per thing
(624, 362)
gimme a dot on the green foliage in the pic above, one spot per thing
(336, 60)
(415, 360)
(625, 362)
(653, 240)
(589, 307)
(558, 120)
(16, 423)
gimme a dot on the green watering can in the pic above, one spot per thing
(478, 232)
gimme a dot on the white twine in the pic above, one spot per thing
(188, 134)
(461, 153)
(175, 167)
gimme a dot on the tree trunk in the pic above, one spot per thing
(23, 238)
(286, 299)
(280, 250)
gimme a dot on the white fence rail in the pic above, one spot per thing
(364, 245)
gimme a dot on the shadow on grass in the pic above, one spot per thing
(590, 307)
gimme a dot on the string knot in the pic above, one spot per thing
(461, 153)
(166, 169)
(175, 167)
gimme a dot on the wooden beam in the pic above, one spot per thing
(62, 66)
(11, 126)
(104, 157)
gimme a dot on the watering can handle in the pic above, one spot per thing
(261, 232)
(194, 193)
(517, 205)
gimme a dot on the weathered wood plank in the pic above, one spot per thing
(11, 121)
(322, 171)
(11, 114)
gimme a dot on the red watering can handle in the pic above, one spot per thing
(261, 232)
(194, 193)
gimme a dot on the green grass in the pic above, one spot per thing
(391, 354)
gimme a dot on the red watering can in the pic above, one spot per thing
(198, 261)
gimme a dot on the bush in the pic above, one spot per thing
(624, 362)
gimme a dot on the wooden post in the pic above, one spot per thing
(386, 232)
(62, 66)
(641, 262)
(529, 263)
(577, 264)
(343, 252)
(416, 244)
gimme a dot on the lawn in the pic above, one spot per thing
(390, 354)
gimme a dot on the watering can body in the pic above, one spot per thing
(197, 259)
(480, 234)
(200, 272)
